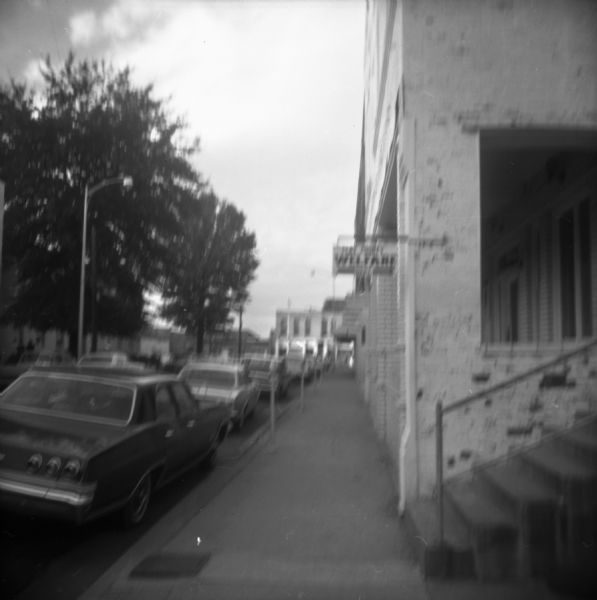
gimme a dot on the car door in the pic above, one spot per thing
(167, 416)
(189, 420)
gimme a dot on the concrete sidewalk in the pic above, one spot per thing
(312, 515)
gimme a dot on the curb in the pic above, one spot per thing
(259, 433)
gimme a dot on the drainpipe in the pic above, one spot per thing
(410, 427)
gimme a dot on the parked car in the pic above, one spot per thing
(54, 358)
(79, 443)
(261, 368)
(225, 383)
(296, 362)
(104, 359)
(9, 371)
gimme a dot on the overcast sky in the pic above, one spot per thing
(273, 89)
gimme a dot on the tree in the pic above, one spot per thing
(211, 266)
(88, 123)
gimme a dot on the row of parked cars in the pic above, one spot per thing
(79, 441)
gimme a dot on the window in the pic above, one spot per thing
(308, 326)
(164, 406)
(283, 326)
(574, 230)
(185, 402)
(324, 326)
(296, 326)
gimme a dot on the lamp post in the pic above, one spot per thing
(126, 182)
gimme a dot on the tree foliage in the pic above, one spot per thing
(86, 124)
(213, 262)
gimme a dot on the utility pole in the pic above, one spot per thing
(1, 229)
(93, 287)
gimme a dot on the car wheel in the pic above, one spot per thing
(240, 422)
(136, 507)
(209, 461)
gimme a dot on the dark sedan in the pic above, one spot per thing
(78, 443)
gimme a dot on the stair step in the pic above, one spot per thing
(583, 438)
(548, 459)
(477, 508)
(492, 529)
(512, 481)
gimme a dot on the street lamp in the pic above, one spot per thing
(126, 182)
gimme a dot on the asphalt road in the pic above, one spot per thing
(46, 559)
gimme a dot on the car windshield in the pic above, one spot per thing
(215, 377)
(74, 398)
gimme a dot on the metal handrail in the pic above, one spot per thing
(516, 378)
(441, 410)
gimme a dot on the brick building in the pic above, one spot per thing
(479, 163)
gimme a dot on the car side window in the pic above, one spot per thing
(164, 405)
(145, 407)
(183, 398)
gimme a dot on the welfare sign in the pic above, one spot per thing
(361, 258)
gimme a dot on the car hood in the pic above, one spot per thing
(59, 436)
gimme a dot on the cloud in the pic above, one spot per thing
(84, 28)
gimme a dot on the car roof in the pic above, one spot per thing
(213, 365)
(104, 354)
(131, 376)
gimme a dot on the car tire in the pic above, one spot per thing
(209, 462)
(240, 422)
(136, 506)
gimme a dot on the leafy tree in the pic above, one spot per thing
(212, 264)
(88, 123)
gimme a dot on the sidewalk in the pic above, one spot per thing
(311, 516)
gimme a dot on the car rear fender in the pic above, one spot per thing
(118, 468)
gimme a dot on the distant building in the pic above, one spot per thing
(309, 328)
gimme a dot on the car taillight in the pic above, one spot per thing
(72, 468)
(53, 466)
(34, 463)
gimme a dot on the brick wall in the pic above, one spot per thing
(467, 65)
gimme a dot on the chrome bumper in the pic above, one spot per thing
(25, 487)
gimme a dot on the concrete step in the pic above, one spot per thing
(559, 467)
(513, 482)
(493, 530)
(454, 558)
(534, 505)
(581, 442)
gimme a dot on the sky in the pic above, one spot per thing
(274, 91)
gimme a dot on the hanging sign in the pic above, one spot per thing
(376, 258)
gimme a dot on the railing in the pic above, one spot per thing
(441, 411)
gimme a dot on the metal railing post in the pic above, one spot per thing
(439, 471)
(272, 407)
(303, 387)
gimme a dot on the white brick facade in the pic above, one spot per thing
(478, 118)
